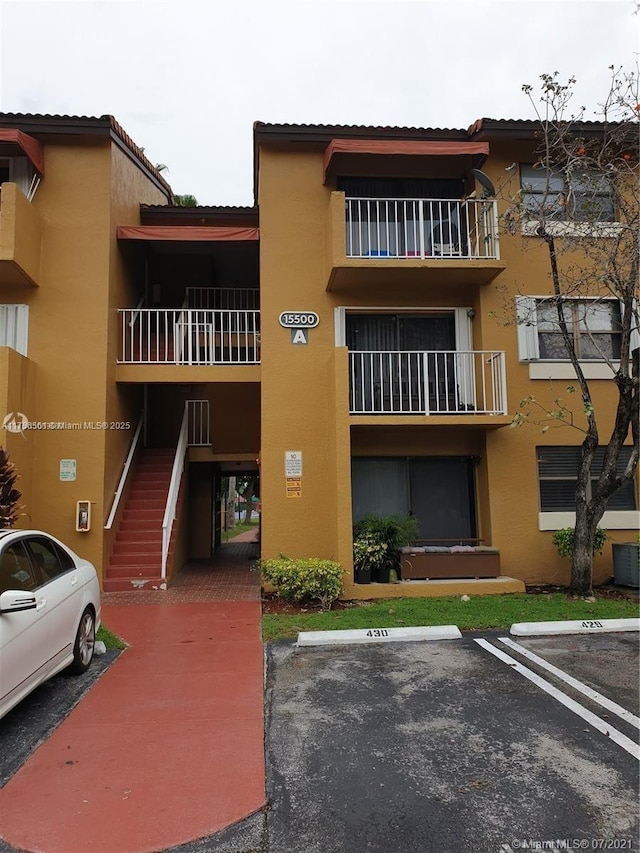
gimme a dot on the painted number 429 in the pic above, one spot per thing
(377, 632)
(591, 624)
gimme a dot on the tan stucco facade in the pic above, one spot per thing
(65, 241)
(61, 257)
(305, 388)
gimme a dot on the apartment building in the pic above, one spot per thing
(352, 337)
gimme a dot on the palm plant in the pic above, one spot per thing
(10, 507)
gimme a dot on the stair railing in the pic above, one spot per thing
(125, 473)
(174, 490)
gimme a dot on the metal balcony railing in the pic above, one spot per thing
(427, 383)
(422, 228)
(187, 336)
(225, 298)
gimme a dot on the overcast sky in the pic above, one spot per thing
(188, 79)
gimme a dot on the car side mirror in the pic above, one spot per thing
(15, 600)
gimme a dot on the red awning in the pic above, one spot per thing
(401, 146)
(30, 146)
(186, 233)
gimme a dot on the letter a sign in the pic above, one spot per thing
(299, 336)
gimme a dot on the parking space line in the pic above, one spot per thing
(589, 692)
(617, 737)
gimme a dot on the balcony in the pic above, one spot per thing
(186, 339)
(386, 241)
(20, 238)
(463, 387)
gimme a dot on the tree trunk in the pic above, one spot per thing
(248, 496)
(582, 556)
(231, 504)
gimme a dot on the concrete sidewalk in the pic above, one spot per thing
(166, 748)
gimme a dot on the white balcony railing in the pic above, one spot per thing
(187, 336)
(198, 434)
(225, 298)
(422, 228)
(427, 383)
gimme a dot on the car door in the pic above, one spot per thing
(62, 590)
(24, 641)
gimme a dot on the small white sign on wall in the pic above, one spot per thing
(293, 463)
(68, 470)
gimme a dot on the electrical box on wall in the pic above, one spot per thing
(83, 516)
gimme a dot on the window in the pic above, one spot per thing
(48, 559)
(594, 324)
(557, 474)
(14, 327)
(584, 196)
(16, 570)
(595, 329)
(20, 171)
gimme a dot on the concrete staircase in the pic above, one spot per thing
(136, 560)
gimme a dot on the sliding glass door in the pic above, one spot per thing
(437, 490)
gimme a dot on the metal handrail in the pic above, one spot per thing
(124, 474)
(174, 490)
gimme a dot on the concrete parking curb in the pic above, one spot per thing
(378, 635)
(578, 626)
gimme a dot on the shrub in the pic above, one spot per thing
(394, 530)
(10, 507)
(563, 540)
(377, 540)
(304, 579)
(369, 552)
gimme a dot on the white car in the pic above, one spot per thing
(49, 612)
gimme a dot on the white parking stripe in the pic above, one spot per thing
(616, 736)
(589, 692)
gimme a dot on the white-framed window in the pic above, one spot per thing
(14, 327)
(558, 472)
(594, 324)
(19, 171)
(585, 196)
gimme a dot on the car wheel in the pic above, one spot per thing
(84, 644)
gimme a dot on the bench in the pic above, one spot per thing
(429, 562)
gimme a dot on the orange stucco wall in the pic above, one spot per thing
(304, 388)
(72, 333)
(20, 238)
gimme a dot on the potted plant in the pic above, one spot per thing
(626, 563)
(368, 555)
(382, 537)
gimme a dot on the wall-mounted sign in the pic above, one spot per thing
(293, 463)
(67, 470)
(299, 319)
(294, 487)
(299, 336)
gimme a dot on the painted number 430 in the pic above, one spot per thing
(591, 624)
(377, 632)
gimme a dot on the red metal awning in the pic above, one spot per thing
(402, 146)
(28, 145)
(186, 233)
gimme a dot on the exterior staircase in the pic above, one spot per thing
(136, 560)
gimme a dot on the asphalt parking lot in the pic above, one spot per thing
(428, 747)
(444, 746)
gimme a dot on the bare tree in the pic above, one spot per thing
(583, 200)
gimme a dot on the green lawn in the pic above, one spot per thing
(481, 612)
(240, 527)
(109, 638)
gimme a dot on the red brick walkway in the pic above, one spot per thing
(168, 746)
